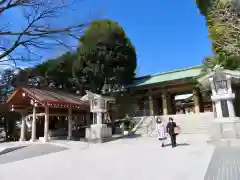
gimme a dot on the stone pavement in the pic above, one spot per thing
(29, 152)
(225, 164)
(137, 158)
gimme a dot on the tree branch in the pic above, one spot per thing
(36, 32)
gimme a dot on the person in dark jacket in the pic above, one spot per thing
(170, 130)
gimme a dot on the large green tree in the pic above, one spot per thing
(227, 62)
(55, 72)
(106, 55)
(223, 22)
(204, 6)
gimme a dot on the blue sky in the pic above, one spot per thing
(167, 34)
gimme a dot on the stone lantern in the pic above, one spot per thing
(222, 94)
(225, 124)
(98, 107)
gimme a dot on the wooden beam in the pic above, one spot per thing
(53, 114)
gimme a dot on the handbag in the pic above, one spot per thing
(177, 130)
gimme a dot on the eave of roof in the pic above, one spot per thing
(191, 72)
(50, 97)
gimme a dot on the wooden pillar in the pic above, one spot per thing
(88, 119)
(173, 104)
(164, 103)
(46, 125)
(156, 107)
(23, 127)
(69, 123)
(151, 106)
(170, 103)
(196, 100)
(34, 123)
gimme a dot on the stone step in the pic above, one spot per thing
(189, 124)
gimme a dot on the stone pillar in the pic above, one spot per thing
(46, 125)
(151, 106)
(23, 128)
(230, 108)
(69, 123)
(214, 110)
(164, 103)
(196, 100)
(99, 118)
(218, 109)
(34, 123)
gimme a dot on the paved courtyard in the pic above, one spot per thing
(225, 164)
(137, 158)
(26, 152)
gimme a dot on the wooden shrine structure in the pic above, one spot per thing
(35, 103)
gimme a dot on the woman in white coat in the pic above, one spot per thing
(161, 130)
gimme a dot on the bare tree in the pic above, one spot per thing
(40, 29)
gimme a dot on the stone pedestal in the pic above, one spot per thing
(225, 128)
(97, 132)
(45, 138)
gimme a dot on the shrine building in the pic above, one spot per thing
(173, 92)
(53, 113)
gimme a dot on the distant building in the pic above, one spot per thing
(172, 92)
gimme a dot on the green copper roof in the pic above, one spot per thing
(191, 72)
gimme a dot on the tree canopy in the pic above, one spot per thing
(231, 62)
(223, 22)
(106, 54)
(204, 6)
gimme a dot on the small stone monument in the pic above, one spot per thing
(225, 124)
(98, 106)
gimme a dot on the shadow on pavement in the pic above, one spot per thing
(8, 150)
(113, 138)
(180, 144)
(31, 151)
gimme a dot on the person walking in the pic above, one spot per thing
(170, 130)
(161, 130)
